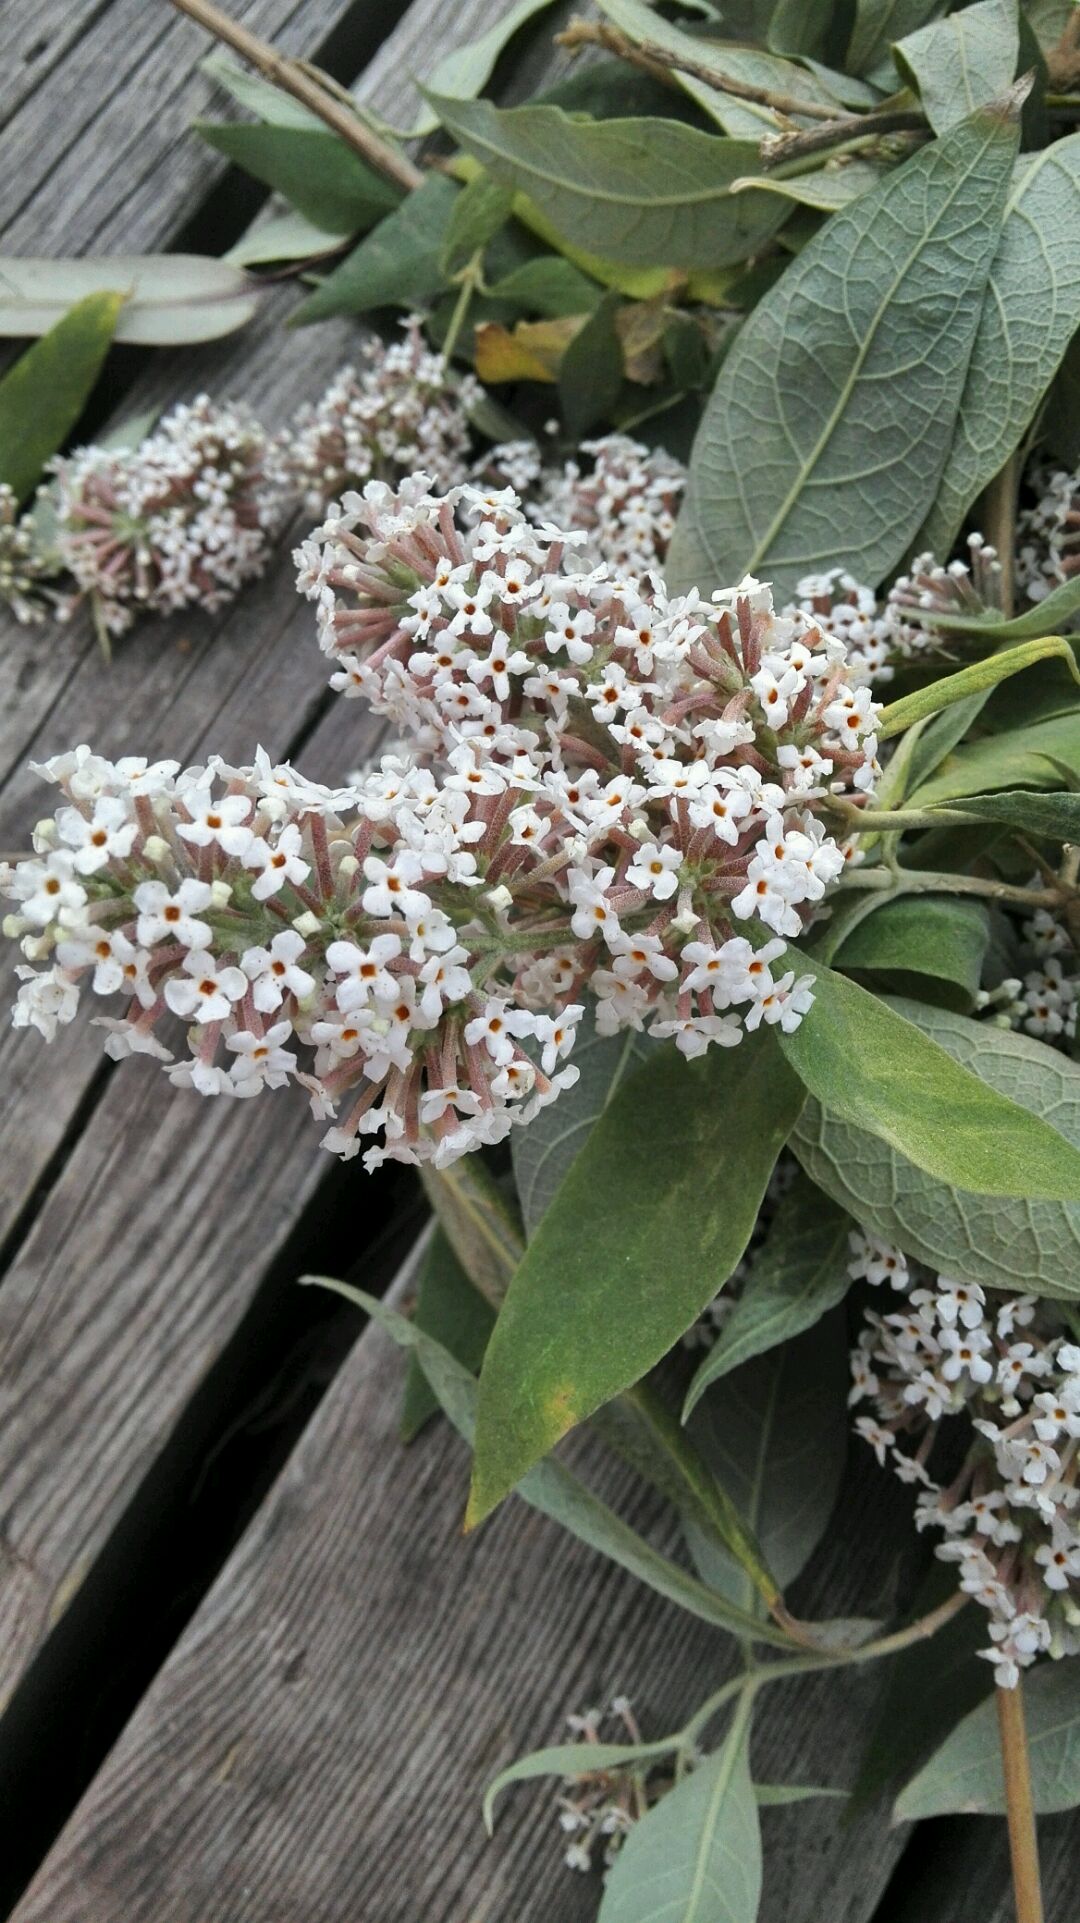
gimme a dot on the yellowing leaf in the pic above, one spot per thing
(531, 351)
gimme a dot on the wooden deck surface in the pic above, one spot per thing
(312, 1746)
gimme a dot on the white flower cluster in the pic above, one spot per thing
(1043, 1001)
(970, 587)
(625, 795)
(181, 520)
(872, 630)
(24, 569)
(1048, 534)
(624, 500)
(597, 1808)
(396, 410)
(1010, 1516)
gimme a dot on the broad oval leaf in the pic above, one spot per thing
(644, 192)
(1031, 313)
(696, 1856)
(800, 1273)
(994, 1241)
(965, 1774)
(316, 172)
(171, 299)
(650, 1220)
(543, 1152)
(873, 1067)
(941, 937)
(878, 24)
(960, 63)
(950, 688)
(399, 264)
(833, 414)
(43, 395)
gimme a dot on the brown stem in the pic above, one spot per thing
(997, 515)
(295, 78)
(777, 149)
(660, 61)
(1019, 1806)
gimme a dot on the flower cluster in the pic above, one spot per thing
(1009, 1516)
(181, 520)
(972, 587)
(624, 500)
(24, 568)
(597, 1808)
(397, 409)
(1048, 534)
(1043, 1001)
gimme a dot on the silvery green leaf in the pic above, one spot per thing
(998, 1241)
(260, 96)
(1029, 317)
(1048, 20)
(744, 119)
(696, 1856)
(645, 192)
(833, 414)
(826, 190)
(1024, 757)
(284, 237)
(878, 24)
(465, 71)
(965, 1774)
(171, 299)
(960, 63)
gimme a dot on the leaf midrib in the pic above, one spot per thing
(702, 196)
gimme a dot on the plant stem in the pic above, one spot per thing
(780, 148)
(926, 882)
(896, 820)
(295, 77)
(660, 61)
(998, 519)
(1020, 1808)
(469, 283)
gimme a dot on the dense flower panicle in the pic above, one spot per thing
(1042, 1001)
(1048, 534)
(397, 409)
(1010, 1516)
(597, 1808)
(624, 500)
(969, 587)
(25, 571)
(181, 520)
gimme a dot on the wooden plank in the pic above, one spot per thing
(318, 1744)
(958, 1868)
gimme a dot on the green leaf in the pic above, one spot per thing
(543, 1152)
(571, 1759)
(1055, 816)
(643, 192)
(591, 370)
(879, 23)
(924, 747)
(451, 1310)
(1031, 312)
(1048, 20)
(777, 1795)
(799, 1274)
(870, 1066)
(260, 96)
(649, 1222)
(846, 379)
(748, 66)
(696, 1856)
(965, 1775)
(800, 27)
(775, 1436)
(557, 1493)
(958, 64)
(476, 216)
(465, 71)
(285, 237)
(1061, 422)
(552, 287)
(1052, 613)
(826, 190)
(170, 299)
(1031, 757)
(956, 1231)
(478, 1221)
(43, 395)
(936, 936)
(987, 673)
(399, 264)
(316, 172)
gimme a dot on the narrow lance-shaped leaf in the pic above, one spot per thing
(943, 938)
(898, 715)
(960, 63)
(1031, 313)
(1055, 816)
(170, 299)
(43, 395)
(871, 1067)
(317, 173)
(846, 379)
(648, 1223)
(795, 1278)
(399, 264)
(451, 1310)
(696, 1856)
(1034, 756)
(465, 71)
(556, 1492)
(966, 1774)
(991, 1240)
(646, 192)
(571, 1759)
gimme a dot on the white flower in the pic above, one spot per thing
(655, 868)
(172, 914)
(262, 1060)
(46, 1001)
(108, 834)
(363, 972)
(208, 992)
(220, 822)
(278, 864)
(274, 972)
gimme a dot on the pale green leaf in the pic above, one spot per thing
(943, 938)
(1026, 757)
(794, 1279)
(399, 264)
(872, 1067)
(644, 192)
(1031, 312)
(998, 1242)
(960, 63)
(846, 379)
(777, 1795)
(451, 1310)
(650, 1220)
(987, 673)
(879, 23)
(543, 1152)
(826, 190)
(171, 299)
(1055, 816)
(696, 1856)
(317, 173)
(283, 237)
(465, 71)
(43, 395)
(271, 104)
(965, 1775)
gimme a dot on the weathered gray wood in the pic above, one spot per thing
(318, 1743)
